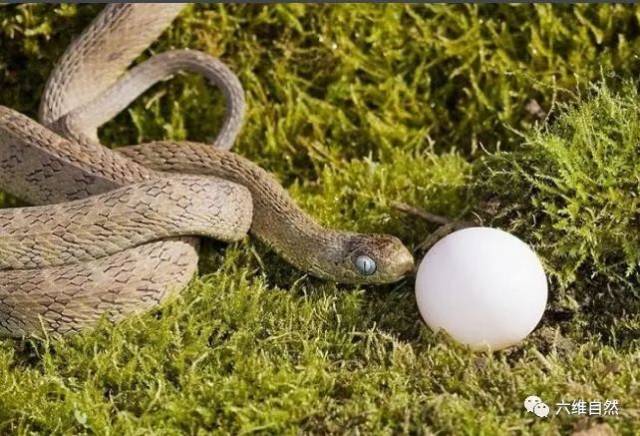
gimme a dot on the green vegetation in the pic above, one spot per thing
(353, 108)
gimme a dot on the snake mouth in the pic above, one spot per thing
(400, 261)
(408, 267)
(404, 265)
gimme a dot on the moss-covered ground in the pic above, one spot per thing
(522, 117)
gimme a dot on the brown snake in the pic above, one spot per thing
(116, 232)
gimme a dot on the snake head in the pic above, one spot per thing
(375, 259)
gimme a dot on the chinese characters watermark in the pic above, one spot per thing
(534, 404)
(589, 408)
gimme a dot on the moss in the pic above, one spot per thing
(353, 108)
(573, 187)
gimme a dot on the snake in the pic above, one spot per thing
(113, 232)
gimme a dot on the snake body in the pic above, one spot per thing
(123, 236)
(105, 224)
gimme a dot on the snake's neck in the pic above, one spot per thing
(295, 236)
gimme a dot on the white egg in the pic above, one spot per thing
(485, 287)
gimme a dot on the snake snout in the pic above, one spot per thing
(400, 263)
(405, 264)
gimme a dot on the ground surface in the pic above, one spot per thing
(524, 117)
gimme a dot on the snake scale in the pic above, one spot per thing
(115, 232)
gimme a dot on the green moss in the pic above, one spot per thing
(573, 187)
(353, 108)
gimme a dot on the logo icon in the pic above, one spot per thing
(535, 405)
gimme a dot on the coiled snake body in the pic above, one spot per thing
(116, 232)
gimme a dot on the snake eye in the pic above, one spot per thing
(366, 266)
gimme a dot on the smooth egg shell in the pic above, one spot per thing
(485, 287)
